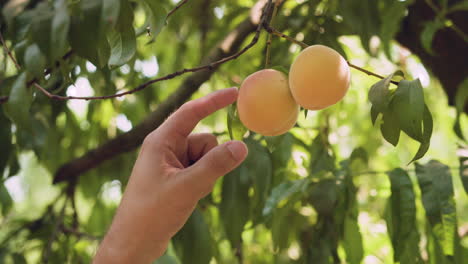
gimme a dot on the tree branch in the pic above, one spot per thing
(130, 140)
(180, 4)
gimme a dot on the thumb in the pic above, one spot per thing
(220, 160)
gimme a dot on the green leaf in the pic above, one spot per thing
(352, 241)
(464, 172)
(461, 99)
(282, 192)
(435, 181)
(111, 10)
(235, 203)
(5, 200)
(5, 142)
(374, 114)
(324, 196)
(363, 17)
(260, 172)
(236, 129)
(156, 16)
(427, 134)
(408, 104)
(392, 13)
(390, 127)
(320, 157)
(193, 242)
(35, 61)
(86, 34)
(19, 103)
(379, 96)
(401, 218)
(428, 33)
(60, 28)
(122, 40)
(41, 25)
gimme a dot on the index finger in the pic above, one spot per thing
(184, 120)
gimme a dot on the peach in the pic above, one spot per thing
(265, 104)
(319, 77)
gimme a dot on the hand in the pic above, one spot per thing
(174, 170)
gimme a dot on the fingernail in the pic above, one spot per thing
(237, 149)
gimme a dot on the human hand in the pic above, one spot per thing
(174, 170)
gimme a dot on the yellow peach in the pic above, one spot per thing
(319, 77)
(265, 104)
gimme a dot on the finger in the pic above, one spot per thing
(199, 145)
(199, 178)
(184, 120)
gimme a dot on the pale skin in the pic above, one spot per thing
(174, 170)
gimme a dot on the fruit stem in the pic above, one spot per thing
(268, 43)
(274, 31)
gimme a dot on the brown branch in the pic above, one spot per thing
(8, 51)
(132, 139)
(278, 33)
(180, 4)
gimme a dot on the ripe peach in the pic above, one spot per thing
(265, 104)
(319, 77)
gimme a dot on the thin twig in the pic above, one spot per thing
(8, 51)
(268, 43)
(209, 66)
(304, 45)
(180, 4)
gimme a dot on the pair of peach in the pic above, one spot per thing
(269, 101)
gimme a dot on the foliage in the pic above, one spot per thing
(329, 191)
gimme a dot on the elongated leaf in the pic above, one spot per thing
(390, 127)
(363, 17)
(392, 13)
(428, 33)
(193, 242)
(41, 25)
(435, 181)
(408, 104)
(5, 200)
(35, 61)
(235, 203)
(464, 172)
(324, 196)
(59, 32)
(461, 99)
(352, 241)
(260, 171)
(321, 159)
(86, 35)
(5, 142)
(427, 134)
(122, 39)
(282, 192)
(379, 95)
(110, 12)
(401, 218)
(235, 127)
(19, 103)
(156, 16)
